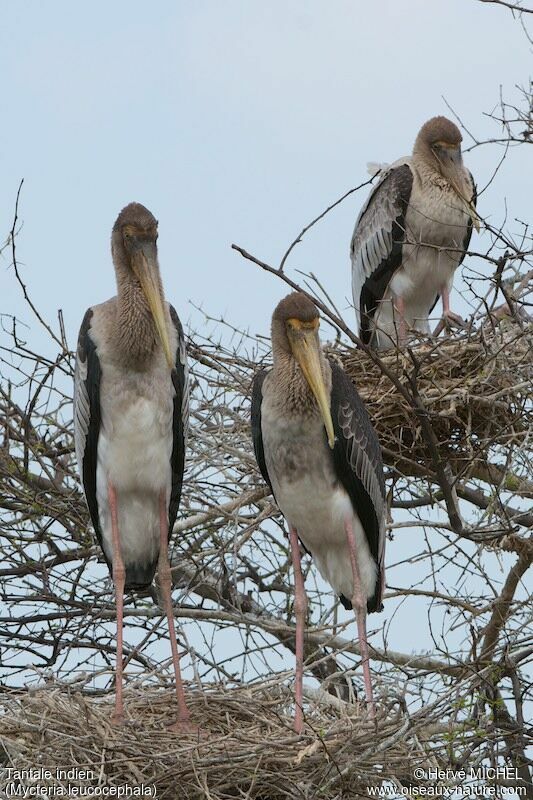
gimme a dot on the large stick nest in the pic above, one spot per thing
(245, 747)
(475, 389)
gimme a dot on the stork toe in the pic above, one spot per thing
(185, 727)
(449, 320)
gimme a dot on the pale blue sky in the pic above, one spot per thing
(232, 121)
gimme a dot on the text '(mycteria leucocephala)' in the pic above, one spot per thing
(130, 423)
(317, 450)
(410, 237)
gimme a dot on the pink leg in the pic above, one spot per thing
(447, 314)
(445, 295)
(165, 580)
(399, 307)
(359, 607)
(119, 579)
(300, 610)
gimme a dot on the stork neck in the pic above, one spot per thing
(425, 163)
(292, 389)
(429, 171)
(136, 333)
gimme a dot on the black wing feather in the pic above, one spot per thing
(359, 467)
(387, 205)
(470, 225)
(257, 435)
(179, 421)
(87, 418)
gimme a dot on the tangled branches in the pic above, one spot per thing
(451, 658)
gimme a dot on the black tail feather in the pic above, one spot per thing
(139, 577)
(373, 603)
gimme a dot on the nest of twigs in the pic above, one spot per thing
(475, 388)
(245, 746)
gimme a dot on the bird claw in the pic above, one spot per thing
(117, 720)
(184, 727)
(449, 320)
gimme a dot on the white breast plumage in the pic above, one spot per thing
(138, 457)
(301, 470)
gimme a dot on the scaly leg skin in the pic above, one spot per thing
(183, 723)
(359, 607)
(300, 610)
(119, 579)
(448, 316)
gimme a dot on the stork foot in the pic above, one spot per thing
(184, 727)
(117, 720)
(449, 320)
(455, 319)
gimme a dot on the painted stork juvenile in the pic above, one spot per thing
(319, 454)
(130, 425)
(410, 237)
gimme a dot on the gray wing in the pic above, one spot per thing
(359, 467)
(87, 418)
(257, 434)
(180, 419)
(376, 246)
(473, 200)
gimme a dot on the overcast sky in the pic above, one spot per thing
(233, 121)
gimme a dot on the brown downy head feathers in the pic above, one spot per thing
(293, 311)
(135, 223)
(136, 217)
(439, 129)
(295, 306)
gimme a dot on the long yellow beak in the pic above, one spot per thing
(306, 351)
(145, 268)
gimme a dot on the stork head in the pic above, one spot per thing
(295, 325)
(439, 144)
(134, 248)
(439, 140)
